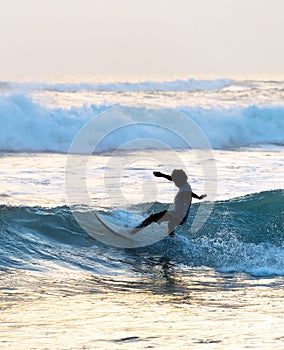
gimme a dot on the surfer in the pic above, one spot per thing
(182, 203)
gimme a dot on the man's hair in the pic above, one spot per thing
(179, 176)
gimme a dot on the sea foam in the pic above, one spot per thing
(29, 126)
(124, 86)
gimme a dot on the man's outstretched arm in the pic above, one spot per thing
(159, 174)
(198, 197)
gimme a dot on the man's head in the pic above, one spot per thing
(179, 177)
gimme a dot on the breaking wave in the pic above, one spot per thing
(245, 234)
(29, 126)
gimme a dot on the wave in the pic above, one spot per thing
(243, 235)
(174, 85)
(29, 126)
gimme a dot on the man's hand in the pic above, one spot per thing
(157, 174)
(202, 196)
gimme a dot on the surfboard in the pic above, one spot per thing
(112, 231)
(115, 229)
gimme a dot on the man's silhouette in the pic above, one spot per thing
(182, 203)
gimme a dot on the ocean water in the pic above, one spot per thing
(218, 284)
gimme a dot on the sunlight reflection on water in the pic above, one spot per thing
(170, 309)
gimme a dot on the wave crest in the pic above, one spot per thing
(28, 126)
(177, 85)
(244, 234)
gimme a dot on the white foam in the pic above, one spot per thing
(26, 125)
(174, 85)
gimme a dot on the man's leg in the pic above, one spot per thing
(164, 215)
(153, 218)
(172, 224)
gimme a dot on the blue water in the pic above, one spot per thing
(245, 234)
(44, 116)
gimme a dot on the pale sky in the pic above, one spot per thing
(41, 37)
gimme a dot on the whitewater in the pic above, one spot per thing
(217, 284)
(46, 117)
